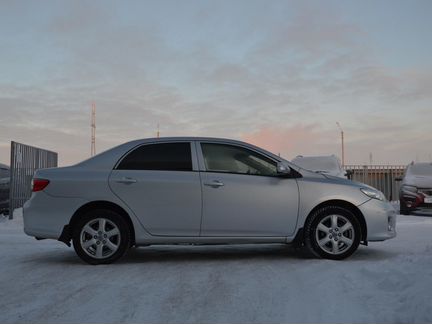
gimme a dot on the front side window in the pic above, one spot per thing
(163, 157)
(234, 159)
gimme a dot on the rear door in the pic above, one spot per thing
(161, 184)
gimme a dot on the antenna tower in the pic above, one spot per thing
(93, 130)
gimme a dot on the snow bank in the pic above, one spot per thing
(15, 222)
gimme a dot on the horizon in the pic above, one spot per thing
(278, 75)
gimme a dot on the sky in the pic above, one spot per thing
(278, 74)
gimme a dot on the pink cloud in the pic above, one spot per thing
(289, 142)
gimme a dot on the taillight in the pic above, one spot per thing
(39, 184)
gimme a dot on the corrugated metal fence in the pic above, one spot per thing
(382, 177)
(25, 160)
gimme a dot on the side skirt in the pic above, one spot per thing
(208, 240)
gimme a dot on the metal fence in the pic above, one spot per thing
(25, 160)
(382, 177)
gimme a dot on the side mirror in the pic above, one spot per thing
(283, 169)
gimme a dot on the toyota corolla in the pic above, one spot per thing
(201, 191)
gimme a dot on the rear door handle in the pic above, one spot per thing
(126, 180)
(214, 184)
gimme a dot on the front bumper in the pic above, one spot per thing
(414, 202)
(380, 219)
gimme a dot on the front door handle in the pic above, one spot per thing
(214, 184)
(126, 180)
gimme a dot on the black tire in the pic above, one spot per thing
(310, 233)
(403, 208)
(122, 240)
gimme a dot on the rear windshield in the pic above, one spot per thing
(421, 169)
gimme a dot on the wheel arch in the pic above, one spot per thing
(93, 205)
(347, 205)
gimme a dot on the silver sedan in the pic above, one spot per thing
(188, 190)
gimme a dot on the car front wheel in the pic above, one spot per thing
(101, 237)
(332, 233)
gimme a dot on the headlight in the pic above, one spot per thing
(409, 188)
(371, 193)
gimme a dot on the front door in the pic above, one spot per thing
(243, 195)
(159, 183)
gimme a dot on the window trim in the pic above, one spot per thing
(202, 166)
(194, 156)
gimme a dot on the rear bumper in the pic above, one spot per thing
(380, 219)
(45, 216)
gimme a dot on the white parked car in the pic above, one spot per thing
(327, 164)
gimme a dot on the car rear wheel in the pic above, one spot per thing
(101, 237)
(332, 233)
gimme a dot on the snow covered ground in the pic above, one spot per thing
(388, 282)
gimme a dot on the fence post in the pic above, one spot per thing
(391, 184)
(365, 174)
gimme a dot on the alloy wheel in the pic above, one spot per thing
(335, 234)
(100, 238)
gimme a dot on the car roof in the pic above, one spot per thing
(106, 158)
(190, 138)
(199, 139)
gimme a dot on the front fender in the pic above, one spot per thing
(313, 192)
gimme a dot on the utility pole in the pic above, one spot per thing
(342, 141)
(93, 130)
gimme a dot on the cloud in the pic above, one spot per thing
(277, 75)
(300, 139)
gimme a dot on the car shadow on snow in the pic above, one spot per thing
(274, 252)
(212, 253)
(227, 253)
(223, 253)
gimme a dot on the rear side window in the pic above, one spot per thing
(164, 157)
